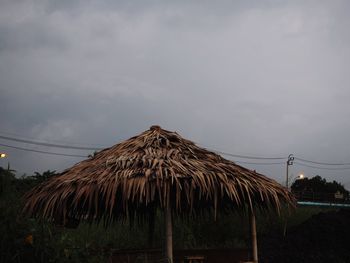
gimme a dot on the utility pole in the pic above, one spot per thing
(289, 162)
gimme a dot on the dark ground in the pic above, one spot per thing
(180, 255)
(324, 237)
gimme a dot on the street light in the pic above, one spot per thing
(3, 155)
(296, 178)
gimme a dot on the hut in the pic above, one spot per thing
(156, 169)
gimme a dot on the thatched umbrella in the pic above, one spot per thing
(157, 168)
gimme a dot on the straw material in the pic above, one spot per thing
(135, 177)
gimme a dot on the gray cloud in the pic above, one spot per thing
(251, 78)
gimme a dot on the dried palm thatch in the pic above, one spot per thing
(154, 169)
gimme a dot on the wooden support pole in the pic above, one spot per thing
(253, 237)
(169, 233)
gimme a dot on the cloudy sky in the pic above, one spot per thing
(256, 78)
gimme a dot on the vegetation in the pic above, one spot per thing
(29, 240)
(318, 184)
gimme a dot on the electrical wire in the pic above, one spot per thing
(44, 152)
(241, 156)
(259, 163)
(248, 157)
(56, 145)
(16, 135)
(321, 168)
(49, 144)
(321, 163)
(64, 146)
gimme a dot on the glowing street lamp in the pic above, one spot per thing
(3, 155)
(296, 178)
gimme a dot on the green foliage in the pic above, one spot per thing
(7, 179)
(49, 243)
(318, 184)
(227, 231)
(94, 242)
(40, 177)
(13, 229)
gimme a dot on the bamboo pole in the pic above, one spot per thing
(253, 237)
(169, 232)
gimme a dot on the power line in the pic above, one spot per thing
(16, 135)
(248, 157)
(88, 148)
(321, 163)
(56, 145)
(239, 155)
(321, 168)
(64, 146)
(44, 152)
(48, 144)
(260, 163)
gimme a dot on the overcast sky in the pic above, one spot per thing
(261, 78)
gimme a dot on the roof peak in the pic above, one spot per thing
(155, 128)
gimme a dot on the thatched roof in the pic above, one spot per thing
(143, 172)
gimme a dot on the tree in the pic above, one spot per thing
(7, 177)
(43, 176)
(318, 184)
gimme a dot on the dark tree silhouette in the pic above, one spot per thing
(318, 184)
(43, 176)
